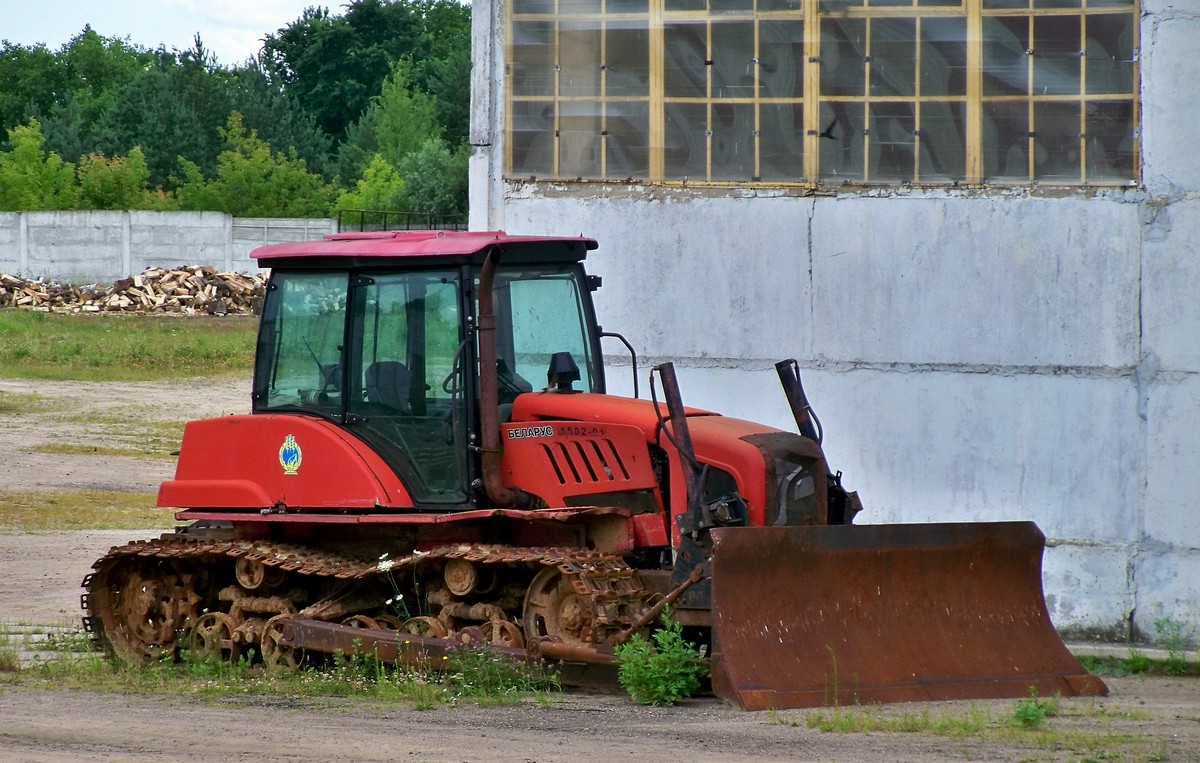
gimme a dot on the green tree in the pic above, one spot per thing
(32, 179)
(176, 108)
(380, 187)
(435, 178)
(117, 183)
(399, 121)
(251, 181)
(334, 64)
(33, 78)
(278, 118)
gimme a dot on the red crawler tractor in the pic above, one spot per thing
(432, 459)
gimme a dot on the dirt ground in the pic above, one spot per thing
(1143, 719)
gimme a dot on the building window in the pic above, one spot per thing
(822, 92)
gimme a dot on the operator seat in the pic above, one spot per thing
(388, 382)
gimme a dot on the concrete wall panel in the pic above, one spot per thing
(1170, 262)
(101, 247)
(1089, 589)
(1166, 589)
(1034, 282)
(1172, 477)
(1170, 70)
(687, 278)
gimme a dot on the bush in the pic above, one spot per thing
(662, 673)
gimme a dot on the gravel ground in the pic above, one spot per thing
(1143, 719)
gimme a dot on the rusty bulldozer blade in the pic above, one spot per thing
(828, 615)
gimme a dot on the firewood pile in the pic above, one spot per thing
(186, 290)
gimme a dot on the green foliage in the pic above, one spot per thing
(1172, 638)
(403, 118)
(380, 187)
(251, 181)
(1032, 712)
(118, 183)
(326, 95)
(662, 673)
(435, 178)
(10, 653)
(30, 178)
(1137, 662)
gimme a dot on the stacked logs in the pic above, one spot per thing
(189, 290)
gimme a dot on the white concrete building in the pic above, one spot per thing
(975, 223)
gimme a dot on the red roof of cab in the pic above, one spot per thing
(408, 243)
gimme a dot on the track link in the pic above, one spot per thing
(142, 597)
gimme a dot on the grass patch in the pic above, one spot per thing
(123, 348)
(121, 435)
(1138, 663)
(69, 449)
(21, 403)
(1040, 723)
(471, 675)
(10, 654)
(50, 510)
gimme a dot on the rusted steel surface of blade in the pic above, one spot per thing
(823, 615)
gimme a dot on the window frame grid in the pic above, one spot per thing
(811, 14)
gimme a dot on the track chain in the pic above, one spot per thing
(615, 593)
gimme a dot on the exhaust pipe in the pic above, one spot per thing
(489, 393)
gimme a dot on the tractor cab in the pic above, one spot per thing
(375, 334)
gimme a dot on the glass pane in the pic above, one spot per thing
(410, 332)
(579, 59)
(627, 58)
(573, 7)
(890, 3)
(892, 142)
(685, 74)
(943, 56)
(303, 329)
(843, 56)
(533, 6)
(730, 6)
(733, 67)
(1056, 61)
(781, 141)
(893, 56)
(627, 6)
(778, 5)
(1005, 55)
(686, 5)
(1111, 142)
(1001, 4)
(841, 141)
(532, 54)
(733, 141)
(627, 145)
(686, 152)
(547, 317)
(532, 138)
(1056, 143)
(942, 143)
(1056, 3)
(1109, 53)
(1110, 3)
(1006, 141)
(781, 59)
(940, 3)
(579, 139)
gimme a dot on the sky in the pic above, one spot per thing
(231, 29)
